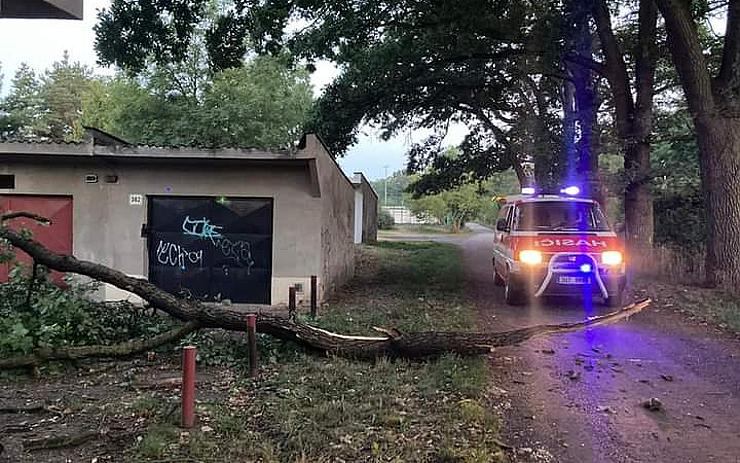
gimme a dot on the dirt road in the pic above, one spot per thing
(578, 397)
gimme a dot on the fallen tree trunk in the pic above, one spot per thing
(393, 343)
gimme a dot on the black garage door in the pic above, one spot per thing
(211, 249)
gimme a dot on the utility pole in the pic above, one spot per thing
(385, 187)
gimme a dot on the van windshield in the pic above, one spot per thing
(560, 216)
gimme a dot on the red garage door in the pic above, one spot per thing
(57, 237)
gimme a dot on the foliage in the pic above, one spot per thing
(431, 207)
(263, 103)
(498, 185)
(399, 66)
(681, 218)
(162, 27)
(46, 107)
(21, 108)
(63, 88)
(452, 207)
(675, 153)
(217, 347)
(385, 220)
(680, 212)
(395, 186)
(58, 317)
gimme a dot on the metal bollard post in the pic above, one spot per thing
(188, 386)
(291, 302)
(252, 340)
(314, 296)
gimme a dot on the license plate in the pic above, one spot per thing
(566, 280)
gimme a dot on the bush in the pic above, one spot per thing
(680, 219)
(385, 220)
(65, 316)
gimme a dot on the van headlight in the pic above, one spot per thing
(611, 257)
(530, 257)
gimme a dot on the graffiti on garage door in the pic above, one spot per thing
(239, 251)
(212, 248)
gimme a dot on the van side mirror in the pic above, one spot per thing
(502, 225)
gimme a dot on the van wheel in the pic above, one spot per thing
(497, 280)
(513, 293)
(615, 300)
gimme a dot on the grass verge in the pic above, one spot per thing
(312, 409)
(424, 229)
(714, 306)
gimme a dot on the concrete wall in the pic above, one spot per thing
(370, 221)
(366, 210)
(337, 218)
(107, 229)
(370, 212)
(359, 215)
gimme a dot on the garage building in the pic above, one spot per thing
(366, 210)
(241, 225)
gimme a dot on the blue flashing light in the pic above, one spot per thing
(571, 190)
(528, 190)
(586, 268)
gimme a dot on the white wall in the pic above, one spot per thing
(359, 202)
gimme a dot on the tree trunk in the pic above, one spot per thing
(719, 144)
(633, 117)
(568, 170)
(715, 107)
(638, 199)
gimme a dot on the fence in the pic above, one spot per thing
(402, 215)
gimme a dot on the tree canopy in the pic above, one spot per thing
(262, 103)
(404, 64)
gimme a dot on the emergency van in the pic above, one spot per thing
(556, 245)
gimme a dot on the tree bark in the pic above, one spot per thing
(585, 139)
(638, 200)
(715, 107)
(633, 117)
(719, 144)
(393, 344)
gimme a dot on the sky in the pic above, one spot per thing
(40, 42)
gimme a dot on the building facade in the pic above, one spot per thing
(241, 225)
(366, 210)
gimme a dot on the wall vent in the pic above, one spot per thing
(91, 178)
(111, 179)
(7, 181)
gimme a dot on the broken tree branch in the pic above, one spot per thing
(23, 215)
(124, 349)
(57, 441)
(33, 408)
(196, 314)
